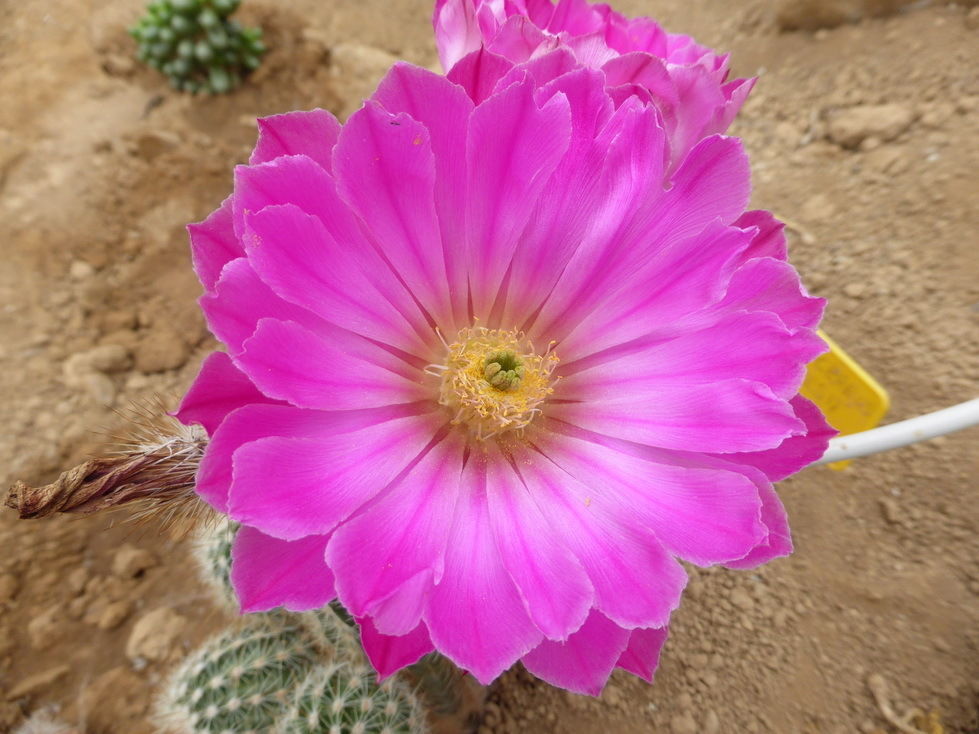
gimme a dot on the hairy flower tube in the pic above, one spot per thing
(487, 379)
(687, 83)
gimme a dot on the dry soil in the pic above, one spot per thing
(862, 136)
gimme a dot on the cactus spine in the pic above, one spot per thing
(239, 681)
(211, 548)
(343, 698)
(279, 672)
(269, 674)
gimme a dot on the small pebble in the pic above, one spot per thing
(740, 599)
(8, 588)
(130, 562)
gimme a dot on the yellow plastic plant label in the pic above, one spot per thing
(851, 399)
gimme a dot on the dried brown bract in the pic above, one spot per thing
(152, 471)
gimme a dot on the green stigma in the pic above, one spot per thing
(503, 370)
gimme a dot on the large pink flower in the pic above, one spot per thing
(685, 81)
(487, 379)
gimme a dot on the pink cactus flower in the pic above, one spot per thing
(685, 81)
(487, 379)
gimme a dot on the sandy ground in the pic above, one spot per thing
(101, 165)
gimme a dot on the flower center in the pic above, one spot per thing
(493, 381)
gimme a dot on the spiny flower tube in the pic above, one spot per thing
(487, 379)
(688, 83)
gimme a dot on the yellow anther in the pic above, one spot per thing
(493, 381)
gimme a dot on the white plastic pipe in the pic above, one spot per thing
(900, 434)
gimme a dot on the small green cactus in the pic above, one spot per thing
(440, 683)
(196, 46)
(331, 628)
(268, 674)
(241, 681)
(343, 698)
(331, 633)
(212, 552)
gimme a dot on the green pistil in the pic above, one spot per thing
(503, 370)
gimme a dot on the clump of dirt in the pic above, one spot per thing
(862, 137)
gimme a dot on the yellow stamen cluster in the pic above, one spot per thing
(493, 381)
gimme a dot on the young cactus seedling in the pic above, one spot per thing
(196, 46)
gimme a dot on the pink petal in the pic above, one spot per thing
(386, 171)
(766, 284)
(628, 93)
(796, 452)
(694, 115)
(774, 540)
(390, 654)
(300, 181)
(736, 93)
(748, 345)
(644, 70)
(543, 69)
(239, 300)
(555, 588)
(267, 572)
(580, 201)
(475, 615)
(456, 30)
(638, 34)
(213, 244)
(641, 656)
(637, 583)
(540, 11)
(518, 40)
(778, 542)
(416, 515)
(714, 182)
(295, 255)
(592, 112)
(332, 371)
(512, 149)
(711, 188)
(293, 487)
(576, 17)
(591, 50)
(478, 73)
(673, 283)
(444, 109)
(770, 238)
(721, 417)
(292, 179)
(629, 176)
(703, 515)
(252, 422)
(218, 389)
(312, 133)
(400, 613)
(583, 663)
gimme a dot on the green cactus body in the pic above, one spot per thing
(343, 698)
(333, 634)
(331, 629)
(280, 672)
(241, 681)
(269, 675)
(196, 46)
(212, 552)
